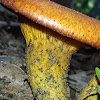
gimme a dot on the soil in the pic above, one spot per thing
(13, 77)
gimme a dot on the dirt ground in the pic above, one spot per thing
(13, 78)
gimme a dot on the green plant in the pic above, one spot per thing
(84, 6)
(98, 75)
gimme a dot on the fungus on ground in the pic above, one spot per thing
(48, 53)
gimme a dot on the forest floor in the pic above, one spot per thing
(13, 78)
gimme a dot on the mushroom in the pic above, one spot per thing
(48, 28)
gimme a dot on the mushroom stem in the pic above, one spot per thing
(48, 55)
(59, 18)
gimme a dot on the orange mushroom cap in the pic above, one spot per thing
(59, 18)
